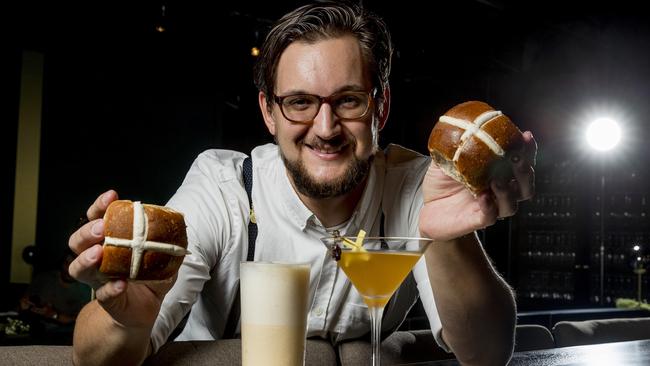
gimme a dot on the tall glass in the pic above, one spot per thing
(376, 266)
(274, 309)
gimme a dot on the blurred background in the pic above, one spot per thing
(125, 95)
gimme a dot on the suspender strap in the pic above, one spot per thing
(252, 224)
(235, 312)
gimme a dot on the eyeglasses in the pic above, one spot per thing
(303, 108)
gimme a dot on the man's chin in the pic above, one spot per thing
(328, 183)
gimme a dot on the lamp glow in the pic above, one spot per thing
(603, 134)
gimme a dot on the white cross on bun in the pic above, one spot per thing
(470, 142)
(142, 241)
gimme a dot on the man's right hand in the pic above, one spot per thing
(130, 304)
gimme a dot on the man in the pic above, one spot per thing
(324, 95)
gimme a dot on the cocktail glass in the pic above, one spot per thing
(376, 266)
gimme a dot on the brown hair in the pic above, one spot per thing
(321, 20)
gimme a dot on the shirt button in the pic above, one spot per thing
(318, 312)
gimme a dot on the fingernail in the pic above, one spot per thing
(105, 197)
(92, 253)
(118, 285)
(98, 228)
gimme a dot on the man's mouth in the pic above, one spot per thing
(327, 152)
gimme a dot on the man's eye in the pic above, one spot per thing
(349, 101)
(298, 101)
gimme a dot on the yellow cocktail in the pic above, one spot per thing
(377, 274)
(376, 266)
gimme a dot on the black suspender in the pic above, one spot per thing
(235, 312)
(252, 224)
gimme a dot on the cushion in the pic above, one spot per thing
(227, 352)
(400, 347)
(574, 333)
(529, 337)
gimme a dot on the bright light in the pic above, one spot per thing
(603, 134)
(636, 248)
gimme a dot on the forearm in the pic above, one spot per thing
(99, 340)
(476, 306)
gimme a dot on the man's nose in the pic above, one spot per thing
(326, 124)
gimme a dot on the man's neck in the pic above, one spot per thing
(336, 210)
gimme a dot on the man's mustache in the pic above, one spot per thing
(334, 143)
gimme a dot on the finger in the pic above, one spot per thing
(85, 267)
(525, 179)
(97, 209)
(530, 148)
(522, 163)
(86, 236)
(109, 293)
(489, 210)
(505, 196)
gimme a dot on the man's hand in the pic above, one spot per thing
(130, 304)
(451, 211)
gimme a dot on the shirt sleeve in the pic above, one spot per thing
(206, 198)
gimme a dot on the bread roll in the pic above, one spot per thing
(470, 142)
(142, 241)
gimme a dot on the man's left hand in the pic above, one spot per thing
(451, 210)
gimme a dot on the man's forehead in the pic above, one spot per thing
(327, 65)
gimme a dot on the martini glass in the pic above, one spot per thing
(376, 266)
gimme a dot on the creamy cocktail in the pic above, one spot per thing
(274, 299)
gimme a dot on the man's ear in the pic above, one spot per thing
(385, 108)
(266, 113)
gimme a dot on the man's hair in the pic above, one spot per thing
(323, 20)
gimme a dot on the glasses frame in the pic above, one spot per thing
(322, 100)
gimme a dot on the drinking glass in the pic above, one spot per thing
(376, 266)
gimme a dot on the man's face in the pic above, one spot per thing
(328, 156)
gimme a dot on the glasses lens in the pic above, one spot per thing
(300, 107)
(350, 105)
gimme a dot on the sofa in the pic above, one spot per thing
(399, 347)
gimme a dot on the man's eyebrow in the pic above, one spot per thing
(350, 87)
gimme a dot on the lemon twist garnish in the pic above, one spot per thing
(356, 246)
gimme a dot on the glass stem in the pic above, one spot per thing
(376, 313)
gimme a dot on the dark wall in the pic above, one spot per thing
(128, 108)
(10, 89)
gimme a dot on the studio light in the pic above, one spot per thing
(603, 134)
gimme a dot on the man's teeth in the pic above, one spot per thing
(327, 151)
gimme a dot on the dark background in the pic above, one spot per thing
(129, 108)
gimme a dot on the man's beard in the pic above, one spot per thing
(355, 173)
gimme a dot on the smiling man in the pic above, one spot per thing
(326, 143)
(324, 95)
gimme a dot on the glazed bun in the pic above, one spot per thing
(142, 241)
(470, 143)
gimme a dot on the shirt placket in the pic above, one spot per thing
(322, 302)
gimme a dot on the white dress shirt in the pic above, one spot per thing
(214, 202)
